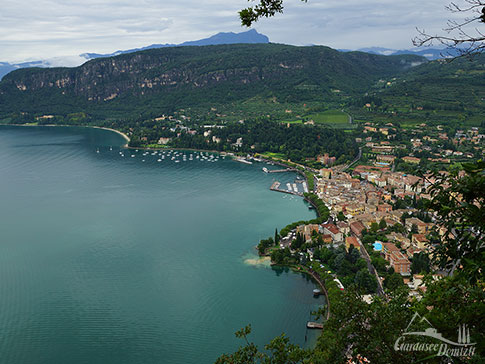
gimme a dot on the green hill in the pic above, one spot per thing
(436, 92)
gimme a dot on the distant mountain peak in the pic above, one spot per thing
(250, 36)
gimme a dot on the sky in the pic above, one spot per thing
(45, 29)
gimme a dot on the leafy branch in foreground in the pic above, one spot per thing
(459, 203)
(281, 351)
(265, 8)
(463, 35)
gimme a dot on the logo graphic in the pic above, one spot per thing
(430, 340)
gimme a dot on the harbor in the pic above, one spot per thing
(298, 187)
(291, 189)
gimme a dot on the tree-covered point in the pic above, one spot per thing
(296, 143)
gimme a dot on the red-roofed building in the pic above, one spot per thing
(332, 230)
(396, 259)
(351, 240)
(385, 207)
(356, 227)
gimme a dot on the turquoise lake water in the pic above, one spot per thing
(112, 259)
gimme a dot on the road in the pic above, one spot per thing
(354, 161)
(372, 270)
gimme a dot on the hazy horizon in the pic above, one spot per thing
(49, 28)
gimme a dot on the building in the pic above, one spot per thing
(380, 182)
(164, 141)
(400, 238)
(382, 149)
(326, 173)
(333, 231)
(386, 158)
(420, 241)
(354, 209)
(398, 261)
(412, 160)
(422, 226)
(352, 240)
(307, 231)
(327, 160)
(356, 227)
(343, 227)
(370, 208)
(385, 207)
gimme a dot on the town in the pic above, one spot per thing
(378, 209)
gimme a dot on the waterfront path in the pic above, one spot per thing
(324, 290)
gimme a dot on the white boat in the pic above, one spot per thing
(265, 170)
(242, 160)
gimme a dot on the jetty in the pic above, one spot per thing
(314, 325)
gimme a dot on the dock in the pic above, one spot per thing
(314, 325)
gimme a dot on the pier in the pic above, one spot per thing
(314, 325)
(282, 170)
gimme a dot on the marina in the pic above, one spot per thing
(293, 191)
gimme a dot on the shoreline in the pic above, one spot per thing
(123, 135)
(309, 272)
(114, 131)
(265, 160)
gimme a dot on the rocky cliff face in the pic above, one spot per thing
(237, 68)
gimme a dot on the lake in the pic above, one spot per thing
(109, 258)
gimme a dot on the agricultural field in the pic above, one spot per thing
(329, 117)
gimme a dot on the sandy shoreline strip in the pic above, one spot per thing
(113, 130)
(78, 126)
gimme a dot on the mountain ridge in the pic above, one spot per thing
(159, 80)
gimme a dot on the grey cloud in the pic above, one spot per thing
(56, 27)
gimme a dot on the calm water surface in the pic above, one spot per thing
(112, 259)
